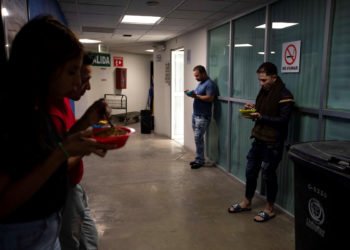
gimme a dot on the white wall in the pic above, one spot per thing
(196, 43)
(138, 77)
(103, 82)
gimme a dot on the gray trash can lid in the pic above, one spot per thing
(331, 154)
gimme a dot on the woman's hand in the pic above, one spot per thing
(82, 143)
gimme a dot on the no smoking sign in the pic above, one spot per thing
(291, 57)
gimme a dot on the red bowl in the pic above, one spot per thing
(117, 140)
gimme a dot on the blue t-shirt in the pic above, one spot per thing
(203, 108)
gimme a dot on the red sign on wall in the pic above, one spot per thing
(118, 61)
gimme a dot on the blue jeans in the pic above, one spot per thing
(199, 126)
(78, 228)
(266, 157)
(39, 234)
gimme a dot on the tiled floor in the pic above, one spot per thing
(145, 197)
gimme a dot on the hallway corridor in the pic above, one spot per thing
(145, 197)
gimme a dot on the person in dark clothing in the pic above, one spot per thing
(274, 104)
(44, 64)
(78, 229)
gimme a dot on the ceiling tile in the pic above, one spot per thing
(189, 14)
(204, 5)
(100, 9)
(104, 2)
(97, 29)
(177, 22)
(180, 16)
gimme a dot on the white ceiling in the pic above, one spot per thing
(101, 19)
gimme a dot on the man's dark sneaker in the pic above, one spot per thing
(196, 165)
(192, 162)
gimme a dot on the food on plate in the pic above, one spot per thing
(247, 111)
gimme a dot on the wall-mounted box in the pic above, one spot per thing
(120, 78)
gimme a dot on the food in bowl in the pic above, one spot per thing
(116, 136)
(107, 132)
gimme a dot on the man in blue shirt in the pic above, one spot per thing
(203, 96)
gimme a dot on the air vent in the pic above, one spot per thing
(152, 3)
(97, 29)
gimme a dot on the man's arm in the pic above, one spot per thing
(286, 104)
(209, 95)
(204, 98)
(97, 111)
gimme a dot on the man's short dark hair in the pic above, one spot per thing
(268, 68)
(87, 59)
(200, 69)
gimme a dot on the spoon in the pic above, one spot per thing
(112, 128)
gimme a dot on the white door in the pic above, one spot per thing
(177, 95)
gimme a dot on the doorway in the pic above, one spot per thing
(177, 95)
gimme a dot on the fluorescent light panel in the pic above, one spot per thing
(277, 25)
(147, 20)
(243, 45)
(150, 50)
(4, 12)
(85, 40)
(263, 53)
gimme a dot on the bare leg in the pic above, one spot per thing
(269, 209)
(245, 203)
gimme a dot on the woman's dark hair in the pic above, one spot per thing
(87, 59)
(38, 50)
(268, 68)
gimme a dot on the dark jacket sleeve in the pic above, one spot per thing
(286, 104)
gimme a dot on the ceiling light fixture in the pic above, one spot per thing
(243, 45)
(146, 20)
(149, 50)
(152, 3)
(277, 25)
(263, 53)
(4, 12)
(84, 40)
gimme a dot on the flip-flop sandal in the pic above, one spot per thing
(264, 216)
(236, 208)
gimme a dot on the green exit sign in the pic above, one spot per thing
(101, 59)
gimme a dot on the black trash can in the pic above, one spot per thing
(146, 121)
(322, 194)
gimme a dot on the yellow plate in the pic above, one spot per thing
(247, 111)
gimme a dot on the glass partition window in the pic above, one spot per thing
(240, 141)
(337, 129)
(339, 75)
(308, 18)
(248, 54)
(219, 42)
(217, 139)
(302, 127)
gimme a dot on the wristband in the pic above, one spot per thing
(63, 150)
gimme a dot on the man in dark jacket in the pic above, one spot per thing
(273, 108)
